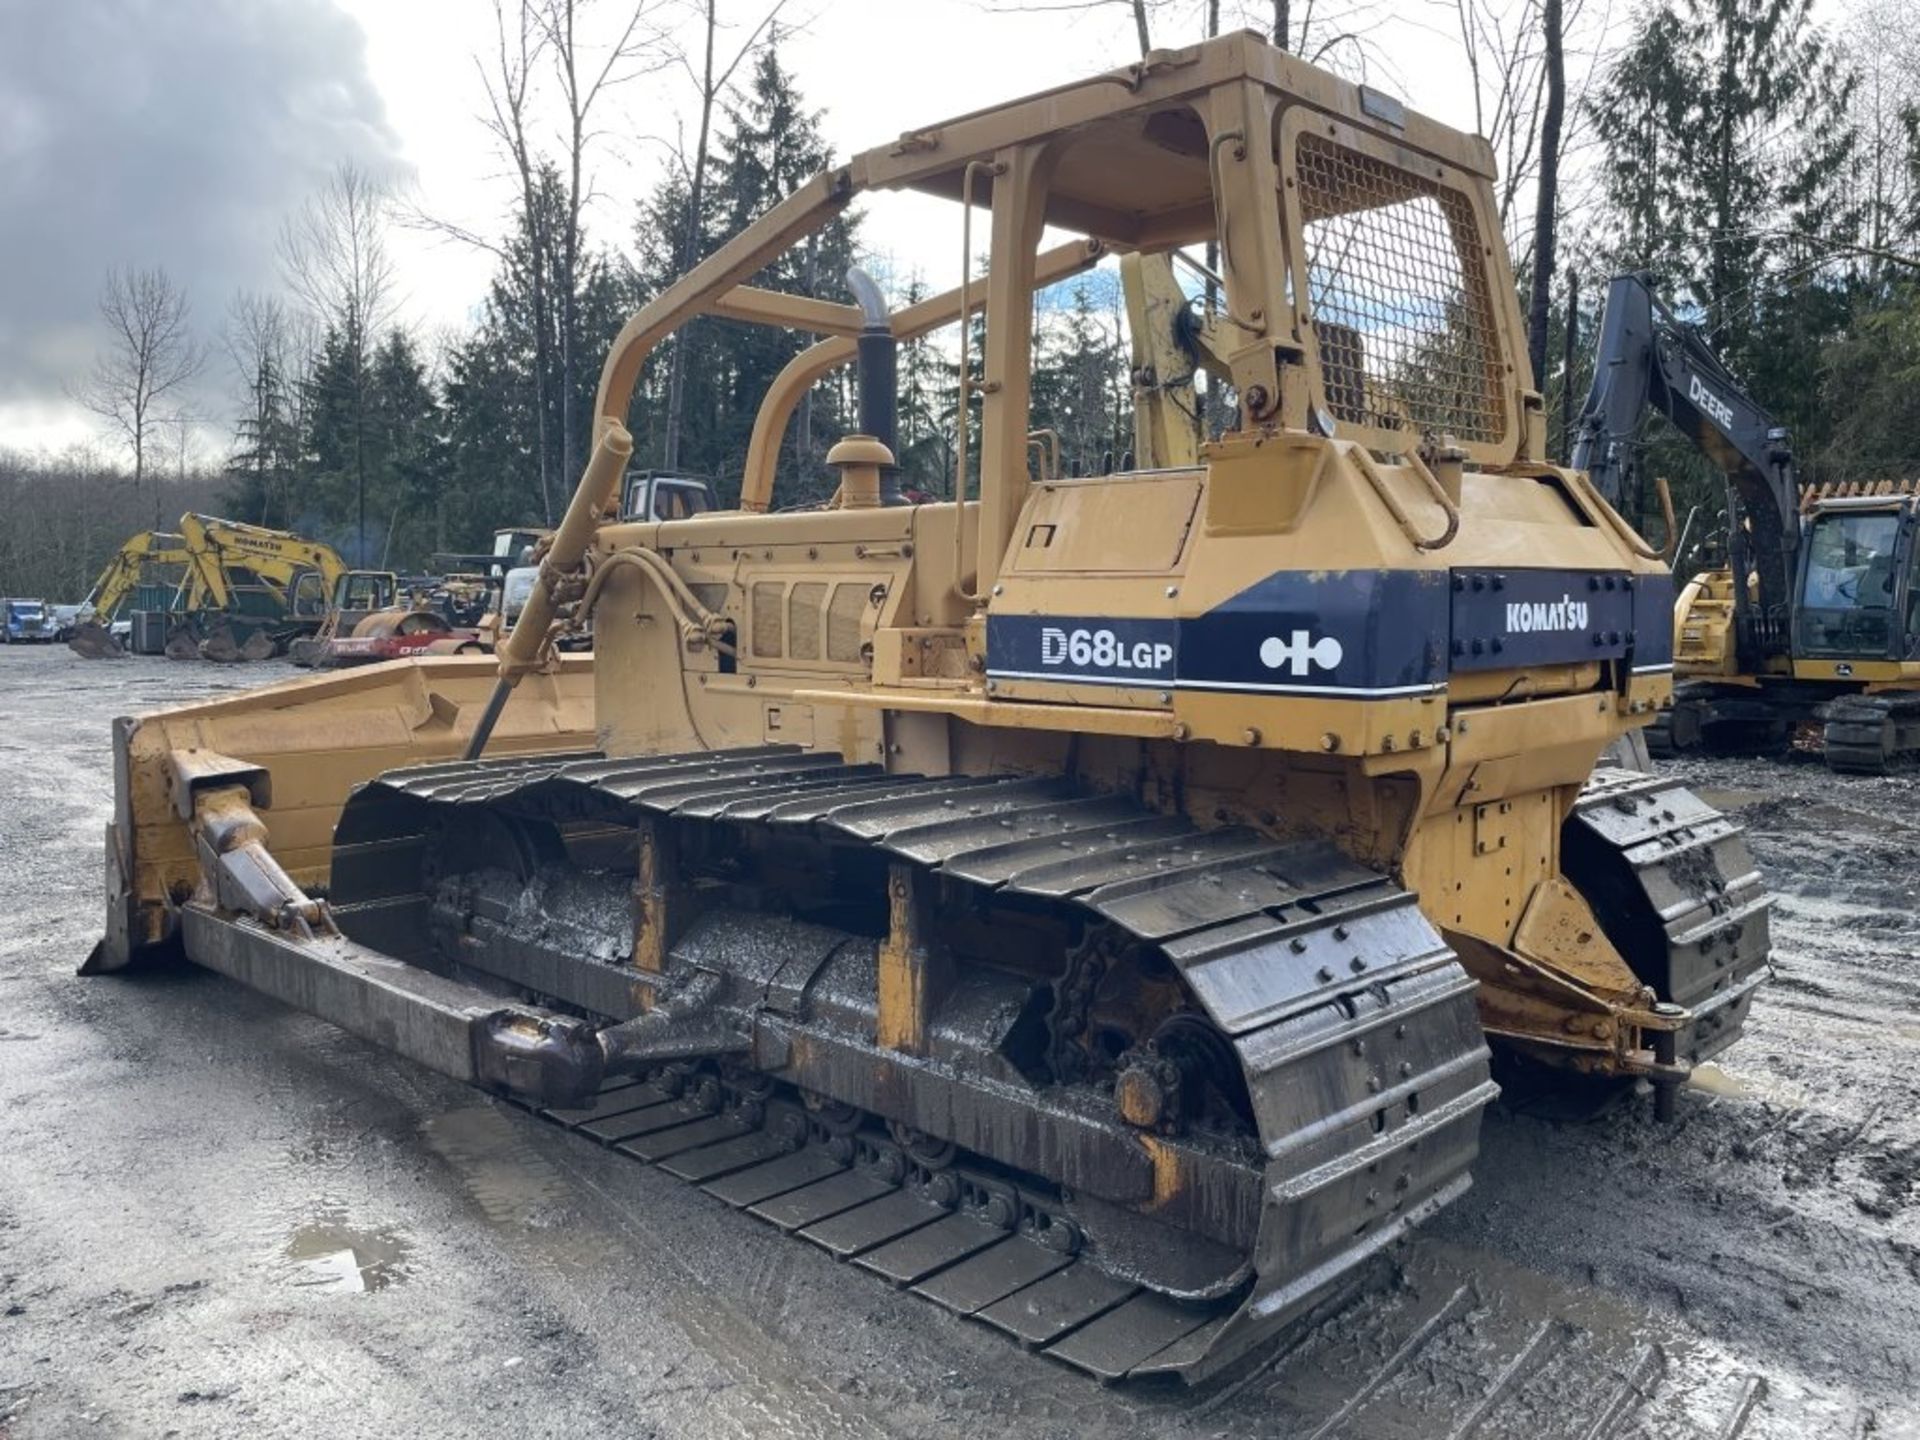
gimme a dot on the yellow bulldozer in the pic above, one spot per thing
(1091, 902)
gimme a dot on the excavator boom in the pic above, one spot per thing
(1646, 359)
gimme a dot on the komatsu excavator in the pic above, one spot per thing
(1809, 634)
(240, 591)
(1087, 901)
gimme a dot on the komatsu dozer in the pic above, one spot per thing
(1086, 901)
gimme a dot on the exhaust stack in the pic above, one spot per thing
(878, 355)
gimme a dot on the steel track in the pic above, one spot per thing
(1354, 1026)
(1678, 892)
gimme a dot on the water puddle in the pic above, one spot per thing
(1731, 799)
(336, 1258)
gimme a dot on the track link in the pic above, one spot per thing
(1354, 1027)
(1870, 734)
(1678, 893)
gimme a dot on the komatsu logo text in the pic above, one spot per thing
(1718, 410)
(1102, 649)
(1566, 613)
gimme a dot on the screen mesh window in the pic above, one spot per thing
(1398, 292)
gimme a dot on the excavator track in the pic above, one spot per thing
(1870, 734)
(1678, 893)
(1859, 734)
(1722, 720)
(1332, 1031)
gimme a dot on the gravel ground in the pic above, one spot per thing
(220, 1217)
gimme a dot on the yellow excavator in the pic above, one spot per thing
(240, 591)
(138, 561)
(150, 559)
(1806, 635)
(1095, 902)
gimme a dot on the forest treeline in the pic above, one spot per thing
(1764, 167)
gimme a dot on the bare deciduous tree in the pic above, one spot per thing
(333, 255)
(150, 358)
(534, 39)
(509, 89)
(585, 72)
(1547, 193)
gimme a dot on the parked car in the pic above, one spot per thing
(26, 622)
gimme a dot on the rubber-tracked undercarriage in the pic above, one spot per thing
(1091, 904)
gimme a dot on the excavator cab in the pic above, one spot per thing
(1859, 591)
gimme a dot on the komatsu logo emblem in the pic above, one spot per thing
(1717, 409)
(1563, 614)
(1300, 654)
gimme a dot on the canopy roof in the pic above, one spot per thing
(1131, 149)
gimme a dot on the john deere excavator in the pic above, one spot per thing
(1086, 901)
(1808, 634)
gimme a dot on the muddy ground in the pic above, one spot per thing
(219, 1217)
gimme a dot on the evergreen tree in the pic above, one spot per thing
(1728, 149)
(266, 449)
(769, 145)
(334, 445)
(925, 429)
(404, 430)
(504, 403)
(373, 440)
(1080, 388)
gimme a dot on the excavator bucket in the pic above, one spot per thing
(93, 641)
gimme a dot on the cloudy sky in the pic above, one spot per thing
(180, 133)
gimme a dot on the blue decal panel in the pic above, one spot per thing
(1363, 633)
(1508, 618)
(1653, 623)
(1360, 633)
(1082, 650)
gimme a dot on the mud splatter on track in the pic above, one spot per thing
(191, 1172)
